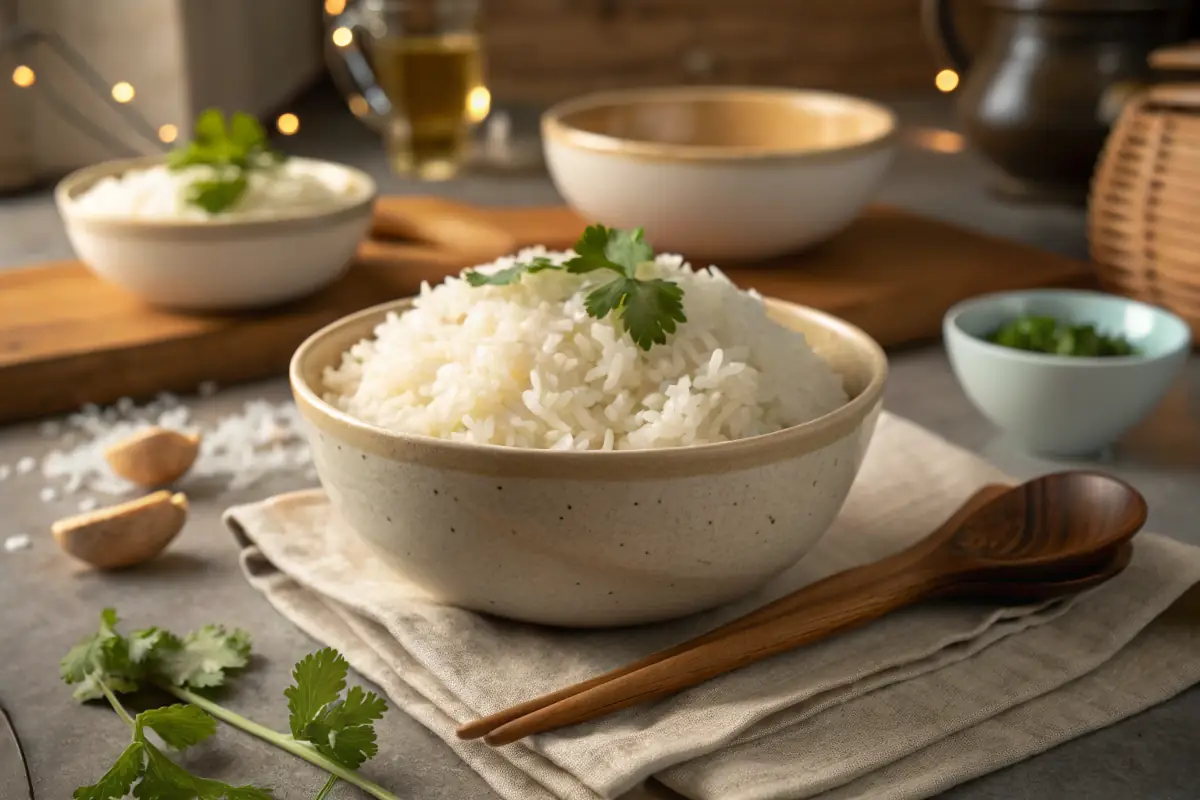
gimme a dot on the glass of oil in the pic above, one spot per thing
(416, 75)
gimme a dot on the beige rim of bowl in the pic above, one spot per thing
(620, 465)
(72, 185)
(556, 128)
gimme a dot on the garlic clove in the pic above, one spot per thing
(154, 457)
(124, 534)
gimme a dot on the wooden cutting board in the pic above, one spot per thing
(67, 338)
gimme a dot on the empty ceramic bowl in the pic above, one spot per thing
(1065, 405)
(591, 538)
(720, 172)
(219, 263)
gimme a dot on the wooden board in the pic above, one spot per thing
(67, 338)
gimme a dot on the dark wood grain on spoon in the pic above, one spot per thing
(1063, 523)
(795, 601)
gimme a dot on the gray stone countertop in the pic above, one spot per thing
(46, 603)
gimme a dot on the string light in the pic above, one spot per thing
(287, 124)
(358, 105)
(334, 7)
(946, 80)
(23, 76)
(342, 36)
(122, 92)
(479, 103)
(938, 140)
(167, 133)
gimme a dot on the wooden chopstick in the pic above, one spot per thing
(495, 727)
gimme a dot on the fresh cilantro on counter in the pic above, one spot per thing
(329, 730)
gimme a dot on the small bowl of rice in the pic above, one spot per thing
(294, 231)
(507, 452)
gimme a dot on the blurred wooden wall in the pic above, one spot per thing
(544, 50)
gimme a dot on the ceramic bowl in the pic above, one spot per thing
(591, 539)
(1065, 406)
(720, 172)
(217, 264)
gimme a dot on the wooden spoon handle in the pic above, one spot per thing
(885, 592)
(848, 580)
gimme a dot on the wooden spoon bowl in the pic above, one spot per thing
(1049, 537)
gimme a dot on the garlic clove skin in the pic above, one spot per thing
(125, 534)
(154, 457)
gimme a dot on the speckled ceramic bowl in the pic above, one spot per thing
(218, 264)
(592, 539)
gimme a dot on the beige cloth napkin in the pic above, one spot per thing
(903, 708)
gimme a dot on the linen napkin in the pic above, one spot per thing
(903, 708)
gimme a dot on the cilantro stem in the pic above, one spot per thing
(116, 704)
(327, 788)
(283, 741)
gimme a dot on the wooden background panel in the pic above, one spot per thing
(545, 50)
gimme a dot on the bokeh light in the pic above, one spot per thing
(479, 103)
(23, 76)
(946, 80)
(122, 92)
(287, 124)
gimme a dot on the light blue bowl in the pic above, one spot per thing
(1065, 405)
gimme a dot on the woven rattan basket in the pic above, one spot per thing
(1144, 209)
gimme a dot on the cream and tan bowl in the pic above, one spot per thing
(591, 539)
(720, 172)
(218, 264)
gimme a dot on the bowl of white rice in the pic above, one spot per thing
(293, 231)
(507, 451)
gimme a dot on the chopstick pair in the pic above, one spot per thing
(547, 712)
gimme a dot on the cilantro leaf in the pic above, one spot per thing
(503, 277)
(100, 659)
(203, 657)
(115, 784)
(345, 731)
(359, 708)
(81, 659)
(649, 309)
(217, 195)
(163, 779)
(319, 678)
(209, 127)
(143, 644)
(351, 747)
(179, 726)
(608, 248)
(232, 148)
(246, 131)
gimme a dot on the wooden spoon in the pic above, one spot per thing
(794, 601)
(1069, 524)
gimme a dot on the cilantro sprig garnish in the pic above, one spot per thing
(649, 309)
(329, 730)
(233, 149)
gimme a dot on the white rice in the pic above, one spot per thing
(524, 365)
(161, 193)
